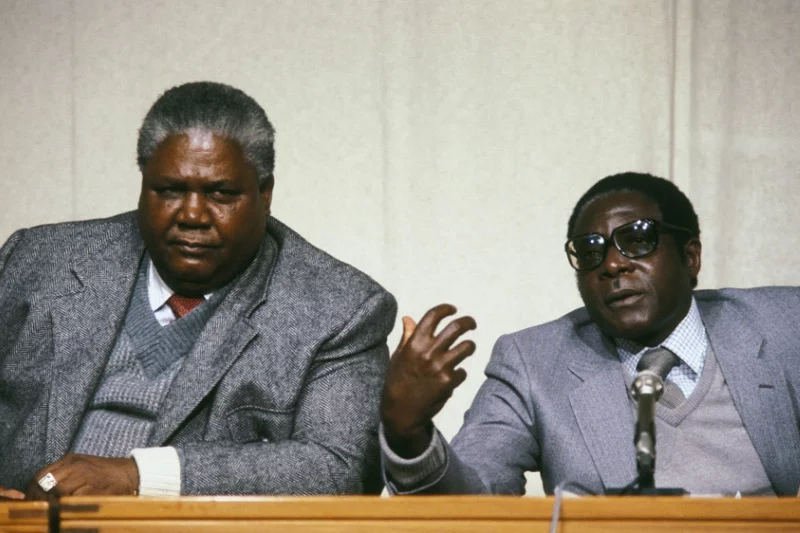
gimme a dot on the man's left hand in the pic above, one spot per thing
(76, 475)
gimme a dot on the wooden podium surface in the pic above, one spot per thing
(447, 514)
(23, 517)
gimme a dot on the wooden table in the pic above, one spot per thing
(448, 514)
(23, 517)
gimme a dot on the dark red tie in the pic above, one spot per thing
(183, 305)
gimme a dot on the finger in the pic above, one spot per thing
(459, 375)
(431, 319)
(409, 326)
(70, 480)
(52, 468)
(452, 331)
(57, 470)
(408, 329)
(455, 355)
(83, 490)
(34, 492)
(435, 408)
(71, 471)
(451, 382)
(12, 494)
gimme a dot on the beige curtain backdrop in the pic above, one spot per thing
(437, 145)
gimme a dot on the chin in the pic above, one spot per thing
(196, 285)
(189, 278)
(629, 331)
(190, 270)
(192, 289)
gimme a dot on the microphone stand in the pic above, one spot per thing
(647, 388)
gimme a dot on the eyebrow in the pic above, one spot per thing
(209, 183)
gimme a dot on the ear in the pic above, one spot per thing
(266, 197)
(693, 252)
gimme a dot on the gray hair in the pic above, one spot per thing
(221, 109)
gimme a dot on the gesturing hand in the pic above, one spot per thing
(86, 474)
(422, 376)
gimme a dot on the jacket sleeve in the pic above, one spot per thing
(6, 288)
(333, 446)
(496, 445)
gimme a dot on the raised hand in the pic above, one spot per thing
(76, 474)
(421, 378)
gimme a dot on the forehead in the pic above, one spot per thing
(608, 211)
(196, 152)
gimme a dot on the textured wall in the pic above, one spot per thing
(439, 146)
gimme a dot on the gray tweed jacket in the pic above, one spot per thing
(555, 400)
(279, 394)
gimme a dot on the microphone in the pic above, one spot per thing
(646, 389)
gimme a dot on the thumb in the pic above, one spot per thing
(408, 329)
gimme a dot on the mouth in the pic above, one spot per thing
(623, 298)
(187, 247)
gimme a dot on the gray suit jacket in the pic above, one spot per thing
(555, 400)
(279, 394)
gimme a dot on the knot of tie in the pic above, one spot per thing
(661, 361)
(183, 305)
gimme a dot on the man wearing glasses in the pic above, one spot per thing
(556, 396)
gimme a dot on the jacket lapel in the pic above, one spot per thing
(602, 408)
(223, 340)
(758, 389)
(86, 318)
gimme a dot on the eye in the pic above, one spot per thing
(224, 194)
(589, 250)
(167, 191)
(643, 235)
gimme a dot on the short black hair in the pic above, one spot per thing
(675, 207)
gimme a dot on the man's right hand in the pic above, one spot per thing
(10, 494)
(421, 378)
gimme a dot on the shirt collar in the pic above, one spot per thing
(688, 341)
(158, 291)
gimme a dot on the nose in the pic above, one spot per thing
(194, 210)
(615, 263)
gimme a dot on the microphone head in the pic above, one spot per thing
(647, 382)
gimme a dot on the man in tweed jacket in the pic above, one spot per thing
(556, 395)
(196, 346)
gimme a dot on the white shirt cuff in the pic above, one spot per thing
(159, 471)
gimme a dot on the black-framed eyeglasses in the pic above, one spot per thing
(634, 239)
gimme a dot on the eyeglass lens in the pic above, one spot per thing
(635, 239)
